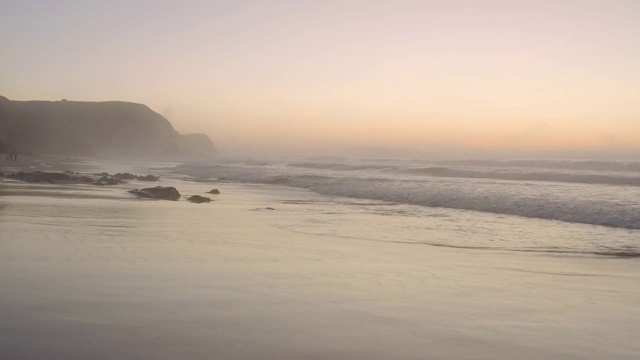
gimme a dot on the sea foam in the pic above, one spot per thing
(544, 190)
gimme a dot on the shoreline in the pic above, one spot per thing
(43, 171)
(231, 280)
(91, 171)
(44, 163)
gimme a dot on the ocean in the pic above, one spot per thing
(549, 206)
(325, 258)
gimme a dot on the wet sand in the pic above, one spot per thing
(91, 272)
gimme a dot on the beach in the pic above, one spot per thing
(277, 272)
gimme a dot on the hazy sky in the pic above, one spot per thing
(291, 75)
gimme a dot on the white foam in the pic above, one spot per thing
(554, 195)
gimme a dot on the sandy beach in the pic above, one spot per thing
(93, 272)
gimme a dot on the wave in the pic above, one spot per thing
(339, 166)
(504, 173)
(592, 204)
(549, 204)
(549, 176)
(612, 253)
(588, 165)
(580, 249)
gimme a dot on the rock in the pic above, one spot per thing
(129, 176)
(214, 191)
(124, 176)
(270, 208)
(202, 180)
(199, 199)
(1, 174)
(147, 178)
(106, 181)
(50, 177)
(158, 192)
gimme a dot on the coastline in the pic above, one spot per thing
(93, 271)
(42, 163)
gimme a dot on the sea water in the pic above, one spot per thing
(571, 207)
(326, 259)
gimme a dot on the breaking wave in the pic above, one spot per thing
(580, 175)
(612, 253)
(577, 196)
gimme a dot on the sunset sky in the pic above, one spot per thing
(310, 75)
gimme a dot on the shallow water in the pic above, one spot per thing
(90, 272)
(478, 198)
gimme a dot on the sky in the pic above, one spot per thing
(314, 76)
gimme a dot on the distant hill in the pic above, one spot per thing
(110, 129)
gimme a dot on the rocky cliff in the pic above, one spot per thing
(111, 129)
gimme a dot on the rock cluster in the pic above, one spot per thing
(124, 176)
(70, 177)
(158, 192)
(147, 178)
(199, 199)
(129, 176)
(104, 179)
(51, 177)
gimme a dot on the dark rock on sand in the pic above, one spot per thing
(50, 177)
(270, 208)
(124, 176)
(199, 199)
(158, 192)
(129, 176)
(214, 191)
(148, 178)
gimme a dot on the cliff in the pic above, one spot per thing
(111, 129)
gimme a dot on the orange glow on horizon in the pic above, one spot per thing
(321, 74)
